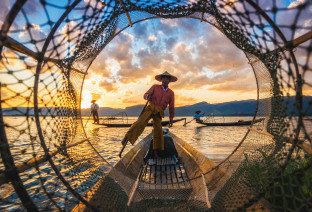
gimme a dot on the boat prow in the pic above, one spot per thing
(137, 183)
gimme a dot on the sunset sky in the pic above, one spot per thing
(208, 66)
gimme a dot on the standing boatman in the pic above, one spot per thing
(197, 116)
(159, 96)
(94, 111)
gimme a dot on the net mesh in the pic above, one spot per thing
(42, 70)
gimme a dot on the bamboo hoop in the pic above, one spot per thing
(35, 161)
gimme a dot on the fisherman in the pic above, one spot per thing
(94, 111)
(159, 97)
(197, 116)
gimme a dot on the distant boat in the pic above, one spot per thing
(238, 123)
(163, 123)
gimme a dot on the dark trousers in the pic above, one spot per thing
(95, 116)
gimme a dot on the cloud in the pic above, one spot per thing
(129, 101)
(186, 28)
(128, 92)
(298, 16)
(235, 86)
(120, 51)
(35, 31)
(152, 38)
(109, 86)
(35, 37)
(102, 66)
(210, 51)
(70, 31)
(170, 42)
(191, 81)
(96, 96)
(128, 97)
(209, 61)
(218, 53)
(153, 59)
(140, 30)
(296, 3)
(5, 8)
(172, 23)
(32, 7)
(185, 98)
(184, 52)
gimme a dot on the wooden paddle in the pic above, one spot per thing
(88, 119)
(187, 122)
(123, 147)
(190, 121)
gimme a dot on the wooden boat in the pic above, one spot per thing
(241, 123)
(139, 182)
(163, 123)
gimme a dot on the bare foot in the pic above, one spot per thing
(124, 141)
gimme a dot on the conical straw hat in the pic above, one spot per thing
(172, 78)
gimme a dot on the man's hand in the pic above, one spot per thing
(170, 123)
(150, 95)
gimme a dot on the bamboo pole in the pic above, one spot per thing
(134, 188)
(16, 46)
(202, 14)
(127, 14)
(305, 145)
(261, 132)
(37, 160)
(206, 191)
(291, 45)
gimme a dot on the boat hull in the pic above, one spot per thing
(163, 123)
(243, 123)
(193, 178)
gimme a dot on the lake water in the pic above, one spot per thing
(215, 143)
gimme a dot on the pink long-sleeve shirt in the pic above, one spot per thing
(162, 98)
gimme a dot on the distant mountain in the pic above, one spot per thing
(234, 108)
(134, 110)
(240, 108)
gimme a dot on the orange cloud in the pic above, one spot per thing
(129, 101)
(185, 98)
(96, 96)
(102, 66)
(234, 86)
(108, 86)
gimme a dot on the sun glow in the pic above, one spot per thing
(91, 90)
(86, 99)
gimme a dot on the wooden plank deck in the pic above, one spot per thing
(164, 174)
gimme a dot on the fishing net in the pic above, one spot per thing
(44, 62)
